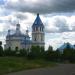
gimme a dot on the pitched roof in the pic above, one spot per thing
(37, 21)
(65, 45)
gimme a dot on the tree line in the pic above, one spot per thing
(37, 52)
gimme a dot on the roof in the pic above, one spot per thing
(26, 41)
(65, 45)
(18, 35)
(38, 22)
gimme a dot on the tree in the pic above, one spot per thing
(50, 48)
(42, 52)
(8, 52)
(1, 49)
(23, 52)
(34, 52)
(57, 55)
(68, 53)
(49, 54)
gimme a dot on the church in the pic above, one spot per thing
(22, 41)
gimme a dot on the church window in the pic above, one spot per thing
(35, 39)
(36, 28)
(16, 48)
(41, 38)
(40, 28)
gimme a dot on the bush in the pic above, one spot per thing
(36, 52)
(9, 52)
(1, 49)
(23, 52)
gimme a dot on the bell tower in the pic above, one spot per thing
(38, 32)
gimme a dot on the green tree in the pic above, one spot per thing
(50, 48)
(57, 55)
(42, 52)
(1, 49)
(34, 52)
(7, 52)
(23, 52)
(68, 53)
(49, 54)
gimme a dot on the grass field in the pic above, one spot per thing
(12, 64)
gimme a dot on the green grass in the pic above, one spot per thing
(12, 64)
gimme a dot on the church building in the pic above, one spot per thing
(22, 41)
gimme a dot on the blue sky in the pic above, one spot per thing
(58, 17)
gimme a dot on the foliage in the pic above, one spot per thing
(9, 52)
(49, 54)
(1, 49)
(23, 52)
(36, 52)
(69, 54)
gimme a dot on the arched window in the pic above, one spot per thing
(36, 28)
(40, 28)
(35, 39)
(41, 38)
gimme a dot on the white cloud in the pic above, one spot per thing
(1, 28)
(57, 39)
(55, 43)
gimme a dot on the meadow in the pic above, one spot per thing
(14, 64)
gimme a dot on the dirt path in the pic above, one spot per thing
(62, 69)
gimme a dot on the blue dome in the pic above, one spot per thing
(17, 35)
(37, 22)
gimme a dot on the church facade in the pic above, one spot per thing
(22, 41)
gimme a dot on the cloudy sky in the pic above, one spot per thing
(58, 17)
